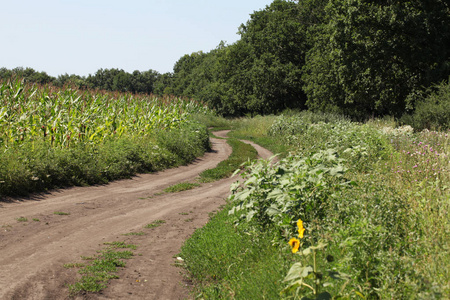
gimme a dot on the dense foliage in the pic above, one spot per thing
(432, 109)
(371, 57)
(53, 137)
(374, 202)
(360, 58)
(260, 73)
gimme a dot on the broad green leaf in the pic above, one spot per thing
(298, 271)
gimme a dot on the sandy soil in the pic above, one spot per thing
(32, 253)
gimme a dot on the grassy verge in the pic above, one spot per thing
(214, 122)
(155, 224)
(229, 263)
(256, 130)
(241, 153)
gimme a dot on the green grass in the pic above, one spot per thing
(155, 224)
(134, 233)
(179, 187)
(241, 153)
(213, 122)
(101, 268)
(229, 263)
(120, 245)
(22, 219)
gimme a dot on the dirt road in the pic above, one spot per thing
(33, 252)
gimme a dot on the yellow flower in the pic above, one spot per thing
(295, 244)
(301, 229)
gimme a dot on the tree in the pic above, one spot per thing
(163, 84)
(271, 59)
(260, 73)
(372, 57)
(143, 82)
(70, 80)
(121, 82)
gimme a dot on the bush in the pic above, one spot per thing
(433, 112)
(186, 143)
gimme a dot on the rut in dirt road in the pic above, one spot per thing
(32, 253)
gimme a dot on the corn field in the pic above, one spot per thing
(62, 117)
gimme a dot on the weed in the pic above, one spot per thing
(87, 257)
(179, 187)
(22, 219)
(36, 220)
(6, 227)
(102, 268)
(155, 224)
(134, 233)
(60, 213)
(377, 198)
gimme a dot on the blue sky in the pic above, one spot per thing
(82, 36)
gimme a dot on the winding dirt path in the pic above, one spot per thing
(32, 253)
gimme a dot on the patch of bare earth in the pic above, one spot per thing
(32, 253)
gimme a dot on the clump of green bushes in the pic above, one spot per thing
(433, 111)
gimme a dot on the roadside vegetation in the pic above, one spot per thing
(51, 138)
(241, 153)
(373, 200)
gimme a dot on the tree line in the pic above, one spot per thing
(356, 57)
(104, 79)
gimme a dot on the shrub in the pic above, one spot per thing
(434, 111)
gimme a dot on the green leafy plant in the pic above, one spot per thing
(296, 186)
(305, 280)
